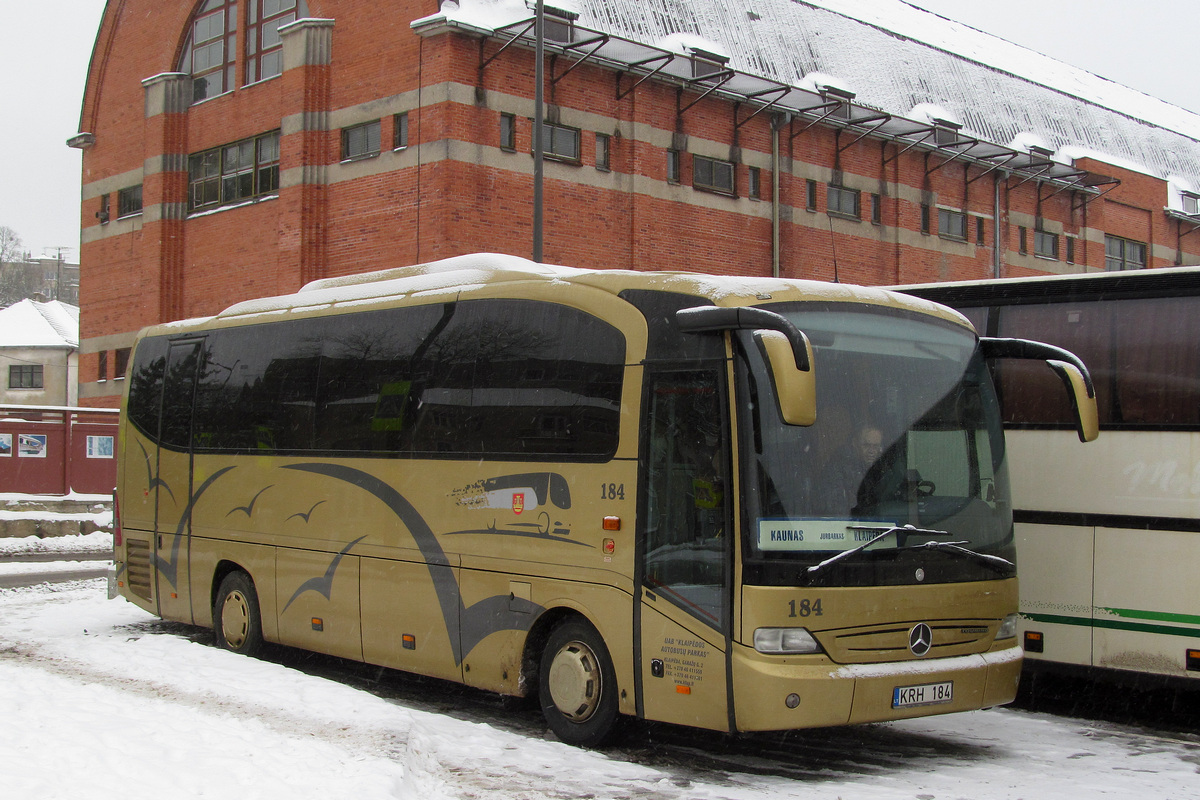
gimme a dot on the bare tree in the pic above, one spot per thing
(11, 246)
(12, 271)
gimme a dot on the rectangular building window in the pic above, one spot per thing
(1070, 249)
(102, 365)
(673, 166)
(603, 151)
(122, 363)
(400, 131)
(1120, 254)
(810, 192)
(843, 202)
(1022, 239)
(1191, 203)
(25, 376)
(952, 224)
(508, 132)
(712, 174)
(876, 209)
(129, 201)
(1045, 245)
(926, 220)
(979, 230)
(754, 179)
(234, 172)
(360, 141)
(560, 142)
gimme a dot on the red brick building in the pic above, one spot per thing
(240, 149)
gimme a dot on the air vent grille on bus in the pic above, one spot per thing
(137, 567)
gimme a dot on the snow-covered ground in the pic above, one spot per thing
(100, 700)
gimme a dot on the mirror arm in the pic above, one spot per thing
(709, 319)
(993, 348)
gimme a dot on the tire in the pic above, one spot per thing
(236, 618)
(577, 686)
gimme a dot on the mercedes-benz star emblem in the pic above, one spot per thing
(920, 639)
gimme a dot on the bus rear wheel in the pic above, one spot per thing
(236, 618)
(577, 686)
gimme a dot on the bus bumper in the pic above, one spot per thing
(774, 693)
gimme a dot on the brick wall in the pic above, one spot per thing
(453, 190)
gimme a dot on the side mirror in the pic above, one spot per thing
(786, 349)
(795, 388)
(1068, 366)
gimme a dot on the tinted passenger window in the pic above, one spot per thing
(486, 378)
(1144, 356)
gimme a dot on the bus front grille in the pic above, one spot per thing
(881, 643)
(137, 567)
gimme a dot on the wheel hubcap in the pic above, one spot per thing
(575, 681)
(235, 619)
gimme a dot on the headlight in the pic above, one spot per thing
(785, 640)
(1008, 627)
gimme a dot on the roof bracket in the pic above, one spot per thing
(1008, 158)
(665, 58)
(879, 119)
(970, 143)
(829, 108)
(928, 133)
(782, 90)
(599, 41)
(1046, 166)
(724, 75)
(506, 45)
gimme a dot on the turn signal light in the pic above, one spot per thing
(1193, 660)
(612, 523)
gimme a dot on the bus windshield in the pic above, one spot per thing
(907, 453)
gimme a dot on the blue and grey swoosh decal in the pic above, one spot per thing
(466, 627)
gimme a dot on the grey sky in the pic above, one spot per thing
(45, 46)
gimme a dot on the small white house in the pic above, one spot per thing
(39, 354)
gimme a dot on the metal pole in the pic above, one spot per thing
(538, 125)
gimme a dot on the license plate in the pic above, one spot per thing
(927, 694)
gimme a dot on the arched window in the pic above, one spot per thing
(264, 48)
(210, 52)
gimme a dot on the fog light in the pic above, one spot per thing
(785, 640)
(1008, 628)
(792, 701)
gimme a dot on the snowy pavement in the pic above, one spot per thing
(101, 700)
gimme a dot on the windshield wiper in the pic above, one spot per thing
(883, 532)
(957, 547)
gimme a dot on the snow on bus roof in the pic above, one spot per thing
(467, 272)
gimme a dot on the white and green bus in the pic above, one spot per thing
(1108, 541)
(731, 503)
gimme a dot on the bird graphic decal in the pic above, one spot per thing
(304, 515)
(324, 584)
(151, 480)
(248, 509)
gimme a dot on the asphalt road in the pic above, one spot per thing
(61, 567)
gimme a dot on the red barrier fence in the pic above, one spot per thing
(57, 450)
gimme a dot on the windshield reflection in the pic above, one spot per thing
(907, 437)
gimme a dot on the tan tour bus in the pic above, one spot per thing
(737, 504)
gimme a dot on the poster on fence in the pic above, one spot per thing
(31, 445)
(5, 444)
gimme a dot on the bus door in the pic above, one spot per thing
(173, 481)
(685, 551)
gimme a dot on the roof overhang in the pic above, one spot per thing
(646, 62)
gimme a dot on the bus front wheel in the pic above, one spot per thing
(577, 686)
(236, 617)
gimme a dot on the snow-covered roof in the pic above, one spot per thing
(29, 323)
(898, 57)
